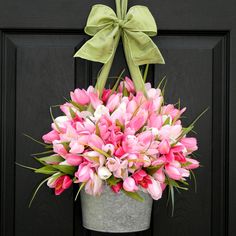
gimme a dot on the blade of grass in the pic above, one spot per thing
(80, 188)
(26, 167)
(37, 189)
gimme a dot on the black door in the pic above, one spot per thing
(37, 41)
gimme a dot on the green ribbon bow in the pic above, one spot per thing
(135, 27)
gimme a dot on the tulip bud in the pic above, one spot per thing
(104, 173)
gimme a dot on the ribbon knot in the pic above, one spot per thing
(106, 27)
(120, 22)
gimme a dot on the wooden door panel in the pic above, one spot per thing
(39, 73)
(196, 69)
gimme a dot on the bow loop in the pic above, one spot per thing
(139, 18)
(100, 17)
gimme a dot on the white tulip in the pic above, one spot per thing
(104, 173)
(101, 110)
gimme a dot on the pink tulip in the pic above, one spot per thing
(170, 132)
(193, 164)
(113, 164)
(76, 147)
(159, 176)
(109, 148)
(122, 171)
(155, 121)
(173, 172)
(113, 102)
(95, 141)
(154, 189)
(73, 159)
(164, 147)
(139, 120)
(94, 99)
(130, 185)
(59, 148)
(129, 85)
(51, 136)
(190, 144)
(83, 173)
(60, 184)
(80, 96)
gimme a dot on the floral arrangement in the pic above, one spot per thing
(126, 137)
(126, 141)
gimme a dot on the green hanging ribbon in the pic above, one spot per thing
(135, 27)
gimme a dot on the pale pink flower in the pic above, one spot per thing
(154, 189)
(113, 102)
(84, 172)
(129, 185)
(94, 186)
(190, 144)
(164, 147)
(193, 163)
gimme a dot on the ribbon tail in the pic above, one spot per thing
(134, 70)
(102, 77)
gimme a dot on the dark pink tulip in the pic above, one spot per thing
(116, 188)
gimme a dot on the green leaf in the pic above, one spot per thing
(26, 167)
(37, 189)
(120, 125)
(35, 140)
(80, 188)
(187, 163)
(53, 158)
(117, 82)
(194, 179)
(66, 145)
(97, 130)
(113, 181)
(100, 151)
(80, 107)
(125, 92)
(42, 153)
(70, 170)
(72, 113)
(54, 119)
(134, 195)
(175, 184)
(161, 82)
(172, 199)
(167, 121)
(47, 170)
(153, 169)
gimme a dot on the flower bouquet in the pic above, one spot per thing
(122, 146)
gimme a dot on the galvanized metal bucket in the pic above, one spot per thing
(116, 213)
